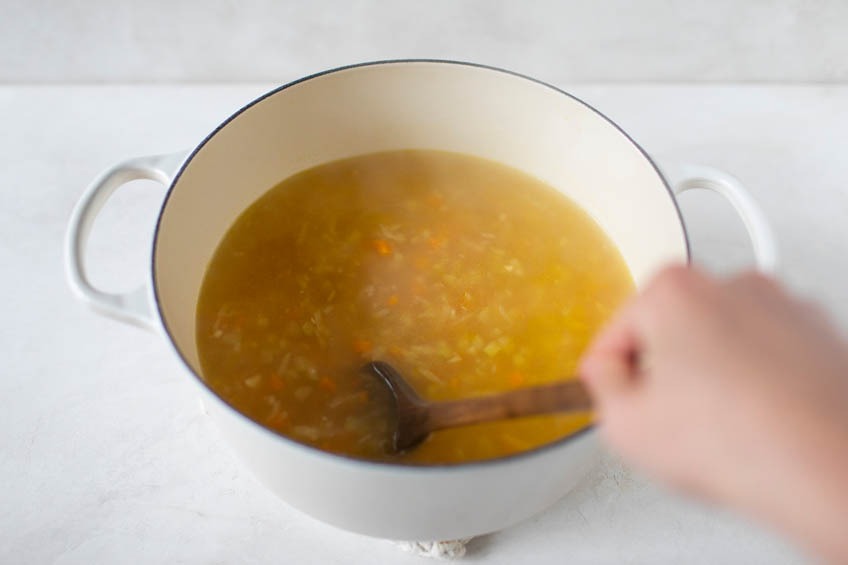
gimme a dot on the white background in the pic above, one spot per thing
(105, 455)
(557, 41)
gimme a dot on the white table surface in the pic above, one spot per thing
(105, 454)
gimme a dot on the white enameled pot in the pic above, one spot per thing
(382, 106)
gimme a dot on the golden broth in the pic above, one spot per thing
(468, 276)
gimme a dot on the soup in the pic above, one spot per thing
(468, 276)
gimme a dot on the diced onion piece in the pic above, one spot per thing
(302, 393)
(310, 433)
(492, 348)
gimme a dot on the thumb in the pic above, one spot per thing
(608, 366)
(607, 374)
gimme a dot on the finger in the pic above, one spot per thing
(674, 285)
(608, 365)
(756, 285)
(676, 297)
(620, 353)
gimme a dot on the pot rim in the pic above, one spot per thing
(341, 458)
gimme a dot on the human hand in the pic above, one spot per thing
(734, 391)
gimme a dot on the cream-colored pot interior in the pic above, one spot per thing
(401, 105)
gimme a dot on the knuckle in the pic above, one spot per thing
(813, 311)
(676, 295)
(756, 279)
(677, 281)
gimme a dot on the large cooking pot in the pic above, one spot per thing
(383, 106)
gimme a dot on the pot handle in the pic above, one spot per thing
(133, 307)
(683, 177)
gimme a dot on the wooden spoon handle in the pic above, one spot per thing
(568, 396)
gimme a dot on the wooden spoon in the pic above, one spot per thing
(416, 417)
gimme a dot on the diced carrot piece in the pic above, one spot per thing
(516, 379)
(382, 246)
(362, 346)
(393, 299)
(436, 242)
(327, 384)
